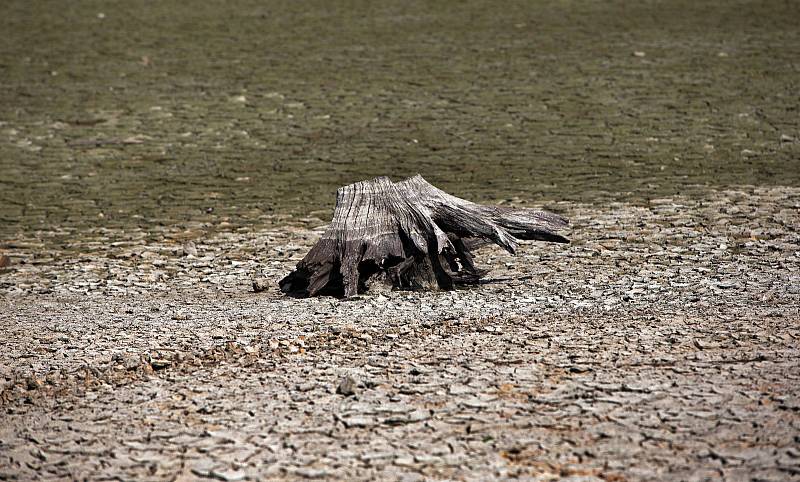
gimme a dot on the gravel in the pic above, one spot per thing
(661, 343)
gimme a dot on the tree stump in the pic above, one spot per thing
(409, 235)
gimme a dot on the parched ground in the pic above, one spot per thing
(154, 161)
(661, 344)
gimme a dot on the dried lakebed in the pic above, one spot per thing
(661, 343)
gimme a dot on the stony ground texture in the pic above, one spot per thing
(660, 344)
(147, 155)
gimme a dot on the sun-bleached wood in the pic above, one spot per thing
(409, 235)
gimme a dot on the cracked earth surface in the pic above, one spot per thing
(660, 344)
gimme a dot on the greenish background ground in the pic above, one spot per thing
(133, 113)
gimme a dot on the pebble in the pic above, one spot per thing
(189, 248)
(33, 383)
(228, 475)
(346, 386)
(309, 473)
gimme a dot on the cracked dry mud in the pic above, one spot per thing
(660, 344)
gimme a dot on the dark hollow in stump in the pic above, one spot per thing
(409, 235)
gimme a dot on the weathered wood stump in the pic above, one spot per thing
(409, 235)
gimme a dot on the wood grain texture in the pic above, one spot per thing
(409, 235)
